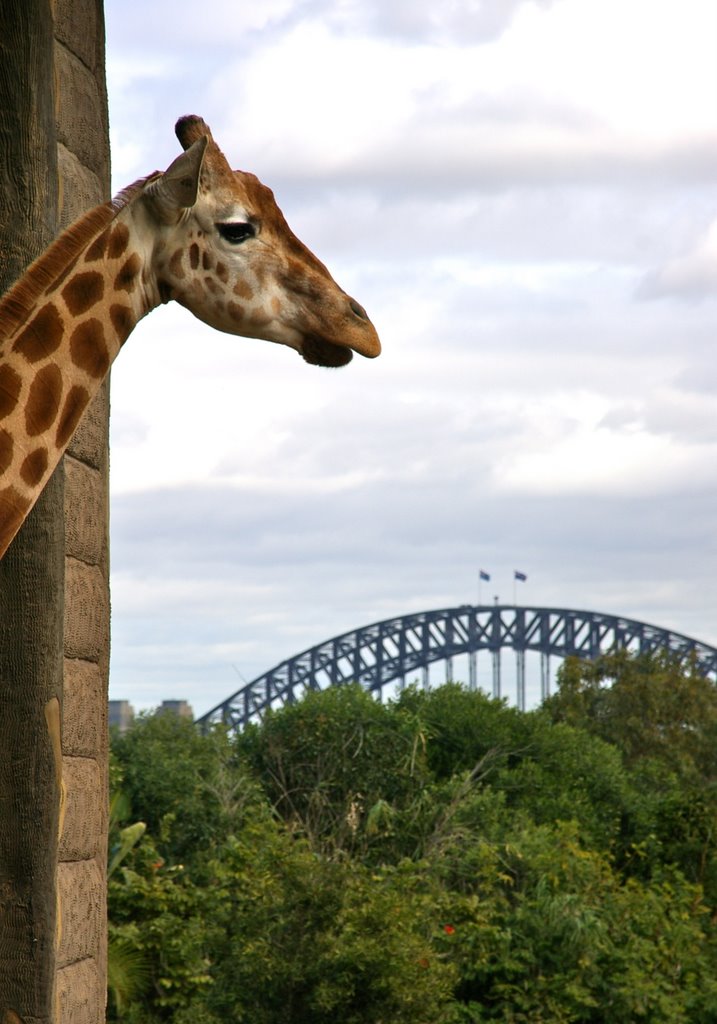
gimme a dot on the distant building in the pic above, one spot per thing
(178, 707)
(121, 715)
(121, 712)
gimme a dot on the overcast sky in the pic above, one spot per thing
(522, 194)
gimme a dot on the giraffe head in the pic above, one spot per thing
(224, 250)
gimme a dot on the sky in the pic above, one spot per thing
(522, 194)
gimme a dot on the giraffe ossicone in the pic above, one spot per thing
(211, 238)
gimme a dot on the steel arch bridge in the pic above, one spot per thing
(386, 652)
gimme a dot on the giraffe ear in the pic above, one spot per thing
(177, 188)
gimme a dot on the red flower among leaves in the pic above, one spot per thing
(449, 929)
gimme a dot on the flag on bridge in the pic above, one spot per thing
(483, 575)
(519, 575)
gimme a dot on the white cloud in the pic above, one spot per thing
(691, 277)
(497, 183)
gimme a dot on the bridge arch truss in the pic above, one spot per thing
(390, 652)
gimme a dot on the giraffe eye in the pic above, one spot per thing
(236, 233)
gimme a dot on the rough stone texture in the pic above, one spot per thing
(79, 187)
(81, 111)
(80, 27)
(85, 512)
(81, 889)
(31, 572)
(78, 993)
(84, 721)
(83, 808)
(83, 171)
(86, 611)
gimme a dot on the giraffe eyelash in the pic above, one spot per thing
(237, 232)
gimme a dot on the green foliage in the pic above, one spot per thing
(549, 931)
(171, 771)
(650, 707)
(155, 935)
(127, 975)
(335, 760)
(302, 938)
(662, 717)
(443, 858)
(555, 772)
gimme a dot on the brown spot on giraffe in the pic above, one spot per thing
(212, 285)
(7, 447)
(222, 273)
(260, 318)
(10, 388)
(235, 311)
(97, 250)
(119, 240)
(13, 509)
(126, 278)
(194, 255)
(75, 404)
(122, 320)
(43, 400)
(42, 335)
(175, 264)
(34, 467)
(243, 290)
(207, 261)
(88, 348)
(83, 292)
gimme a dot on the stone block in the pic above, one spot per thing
(81, 892)
(80, 995)
(84, 710)
(79, 26)
(80, 188)
(85, 512)
(80, 117)
(87, 612)
(85, 810)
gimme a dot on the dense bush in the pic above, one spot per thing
(443, 858)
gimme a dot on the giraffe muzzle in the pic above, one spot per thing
(356, 334)
(319, 352)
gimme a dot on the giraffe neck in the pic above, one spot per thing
(61, 327)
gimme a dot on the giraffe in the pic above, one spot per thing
(201, 234)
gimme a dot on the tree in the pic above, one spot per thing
(662, 716)
(174, 775)
(335, 762)
(503, 867)
(253, 924)
(652, 707)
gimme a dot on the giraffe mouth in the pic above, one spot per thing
(320, 352)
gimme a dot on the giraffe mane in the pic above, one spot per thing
(23, 296)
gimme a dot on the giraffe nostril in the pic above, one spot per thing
(358, 310)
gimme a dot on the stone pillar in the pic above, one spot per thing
(31, 572)
(83, 178)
